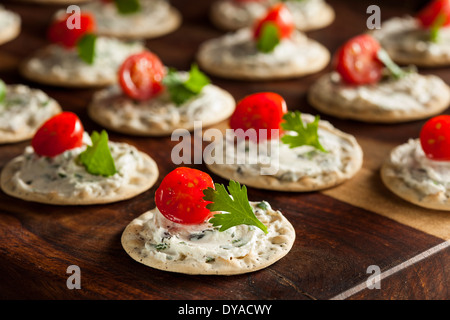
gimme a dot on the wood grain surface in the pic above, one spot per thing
(337, 239)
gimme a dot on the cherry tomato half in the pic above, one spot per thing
(59, 32)
(280, 15)
(180, 196)
(58, 134)
(141, 75)
(435, 138)
(263, 110)
(428, 15)
(357, 62)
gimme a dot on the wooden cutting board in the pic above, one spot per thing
(341, 232)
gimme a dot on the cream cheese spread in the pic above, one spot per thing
(24, 107)
(420, 173)
(166, 240)
(64, 175)
(8, 19)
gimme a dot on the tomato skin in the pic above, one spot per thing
(179, 198)
(257, 111)
(356, 61)
(435, 138)
(428, 15)
(280, 15)
(59, 33)
(141, 75)
(58, 134)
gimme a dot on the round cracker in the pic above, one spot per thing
(140, 182)
(99, 111)
(27, 131)
(208, 59)
(398, 186)
(12, 31)
(395, 30)
(305, 183)
(96, 79)
(278, 245)
(171, 23)
(327, 103)
(325, 17)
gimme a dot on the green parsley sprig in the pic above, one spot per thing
(235, 205)
(97, 158)
(305, 135)
(269, 37)
(2, 91)
(86, 47)
(181, 90)
(127, 6)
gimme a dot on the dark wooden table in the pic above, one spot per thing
(337, 238)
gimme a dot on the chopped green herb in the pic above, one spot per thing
(97, 159)
(306, 135)
(236, 205)
(262, 205)
(161, 246)
(181, 91)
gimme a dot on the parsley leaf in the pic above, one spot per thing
(97, 159)
(236, 205)
(2, 91)
(181, 91)
(86, 48)
(127, 6)
(305, 135)
(269, 37)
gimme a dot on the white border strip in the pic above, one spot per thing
(344, 295)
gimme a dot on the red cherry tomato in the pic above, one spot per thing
(280, 15)
(259, 111)
(60, 33)
(435, 138)
(58, 134)
(357, 62)
(141, 75)
(180, 196)
(428, 15)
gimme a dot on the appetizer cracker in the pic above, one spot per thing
(419, 170)
(152, 100)
(66, 166)
(10, 25)
(368, 86)
(273, 49)
(22, 111)
(197, 227)
(299, 153)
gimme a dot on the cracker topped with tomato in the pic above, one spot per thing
(271, 49)
(65, 166)
(77, 57)
(419, 170)
(154, 100)
(134, 19)
(421, 39)
(22, 111)
(10, 25)
(308, 15)
(366, 85)
(269, 147)
(202, 227)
